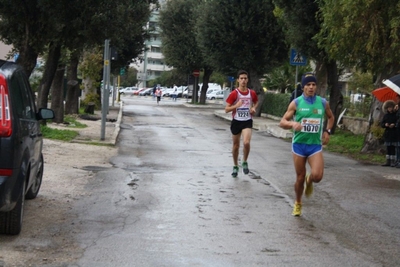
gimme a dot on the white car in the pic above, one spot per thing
(128, 90)
(219, 94)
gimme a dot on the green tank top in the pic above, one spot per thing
(311, 117)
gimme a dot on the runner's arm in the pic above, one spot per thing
(231, 107)
(329, 124)
(331, 117)
(286, 121)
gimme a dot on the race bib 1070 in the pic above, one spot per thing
(310, 125)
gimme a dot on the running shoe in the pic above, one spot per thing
(309, 186)
(297, 209)
(245, 167)
(235, 171)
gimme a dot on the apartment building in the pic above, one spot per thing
(153, 64)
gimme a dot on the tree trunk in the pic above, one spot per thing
(335, 96)
(57, 94)
(321, 74)
(371, 143)
(204, 88)
(27, 59)
(48, 75)
(255, 84)
(73, 90)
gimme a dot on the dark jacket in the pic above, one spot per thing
(390, 134)
(298, 92)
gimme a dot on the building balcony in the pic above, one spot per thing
(151, 67)
(154, 55)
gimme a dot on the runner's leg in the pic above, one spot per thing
(300, 168)
(246, 142)
(235, 148)
(316, 163)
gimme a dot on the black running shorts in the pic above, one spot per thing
(238, 126)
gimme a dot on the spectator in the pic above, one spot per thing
(297, 92)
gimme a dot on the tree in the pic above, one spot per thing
(364, 34)
(23, 25)
(130, 78)
(281, 77)
(180, 45)
(237, 34)
(31, 27)
(302, 24)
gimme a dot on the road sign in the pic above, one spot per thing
(231, 78)
(196, 73)
(297, 59)
(122, 71)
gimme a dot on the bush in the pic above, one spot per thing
(275, 104)
(92, 97)
(357, 109)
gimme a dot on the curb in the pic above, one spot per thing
(117, 124)
(266, 123)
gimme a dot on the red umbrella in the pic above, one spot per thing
(385, 93)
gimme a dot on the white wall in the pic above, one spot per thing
(4, 50)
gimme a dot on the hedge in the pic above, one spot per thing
(275, 104)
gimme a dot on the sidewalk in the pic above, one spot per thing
(92, 133)
(264, 123)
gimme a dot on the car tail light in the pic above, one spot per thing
(5, 113)
(6, 172)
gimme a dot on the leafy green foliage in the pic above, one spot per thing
(361, 82)
(91, 66)
(31, 25)
(169, 78)
(92, 98)
(357, 109)
(130, 78)
(237, 34)
(300, 24)
(275, 104)
(281, 78)
(364, 33)
(180, 47)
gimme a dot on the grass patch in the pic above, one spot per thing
(349, 144)
(63, 135)
(56, 134)
(73, 122)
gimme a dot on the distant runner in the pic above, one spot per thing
(242, 102)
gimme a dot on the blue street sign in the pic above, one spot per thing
(297, 59)
(231, 78)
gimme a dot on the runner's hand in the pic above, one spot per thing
(325, 138)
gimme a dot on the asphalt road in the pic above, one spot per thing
(169, 200)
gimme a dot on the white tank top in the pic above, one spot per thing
(243, 112)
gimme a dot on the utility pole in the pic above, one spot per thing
(106, 88)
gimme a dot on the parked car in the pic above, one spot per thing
(167, 92)
(139, 90)
(148, 91)
(180, 90)
(21, 158)
(219, 94)
(128, 90)
(209, 91)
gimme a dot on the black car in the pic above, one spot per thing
(21, 159)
